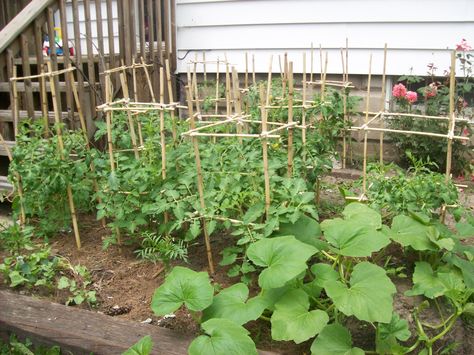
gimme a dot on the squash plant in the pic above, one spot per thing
(292, 275)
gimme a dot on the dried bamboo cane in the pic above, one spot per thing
(108, 120)
(171, 99)
(312, 63)
(227, 90)
(285, 75)
(246, 78)
(16, 114)
(200, 181)
(204, 66)
(82, 122)
(44, 103)
(135, 98)
(216, 111)
(367, 103)
(290, 119)
(303, 111)
(344, 109)
(131, 124)
(57, 120)
(265, 154)
(237, 101)
(162, 125)
(382, 101)
(452, 122)
(196, 89)
(148, 80)
(253, 70)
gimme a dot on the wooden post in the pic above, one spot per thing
(382, 102)
(171, 100)
(367, 103)
(290, 119)
(131, 124)
(200, 180)
(57, 120)
(452, 122)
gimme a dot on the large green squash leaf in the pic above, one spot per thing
(323, 273)
(231, 304)
(369, 297)
(305, 229)
(358, 235)
(186, 286)
(334, 339)
(222, 337)
(283, 257)
(410, 232)
(291, 319)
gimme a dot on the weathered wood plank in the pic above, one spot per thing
(20, 22)
(35, 86)
(81, 331)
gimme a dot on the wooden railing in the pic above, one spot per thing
(96, 34)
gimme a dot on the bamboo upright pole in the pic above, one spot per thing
(57, 120)
(290, 119)
(131, 124)
(16, 113)
(171, 100)
(237, 101)
(452, 122)
(204, 66)
(44, 102)
(303, 111)
(344, 110)
(162, 124)
(196, 88)
(216, 110)
(253, 70)
(246, 78)
(312, 63)
(82, 122)
(108, 121)
(265, 153)
(367, 103)
(148, 80)
(227, 90)
(200, 181)
(382, 101)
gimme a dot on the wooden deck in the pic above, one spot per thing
(81, 331)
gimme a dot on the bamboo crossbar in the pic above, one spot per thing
(237, 135)
(213, 124)
(125, 67)
(428, 134)
(42, 75)
(329, 83)
(285, 126)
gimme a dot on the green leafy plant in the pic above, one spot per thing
(78, 286)
(143, 347)
(16, 347)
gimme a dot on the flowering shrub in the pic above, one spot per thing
(434, 102)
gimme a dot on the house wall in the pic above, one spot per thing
(416, 32)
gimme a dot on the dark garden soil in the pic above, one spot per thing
(125, 285)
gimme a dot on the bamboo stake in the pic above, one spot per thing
(253, 70)
(416, 133)
(233, 135)
(162, 125)
(86, 137)
(303, 111)
(246, 79)
(131, 124)
(265, 153)
(237, 101)
(382, 101)
(57, 120)
(108, 120)
(44, 103)
(200, 181)
(227, 90)
(16, 114)
(135, 98)
(344, 109)
(452, 122)
(148, 80)
(171, 99)
(312, 63)
(196, 90)
(217, 87)
(204, 66)
(364, 183)
(290, 119)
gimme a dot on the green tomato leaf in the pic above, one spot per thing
(283, 257)
(222, 337)
(142, 347)
(186, 286)
(291, 319)
(334, 339)
(369, 296)
(411, 233)
(231, 304)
